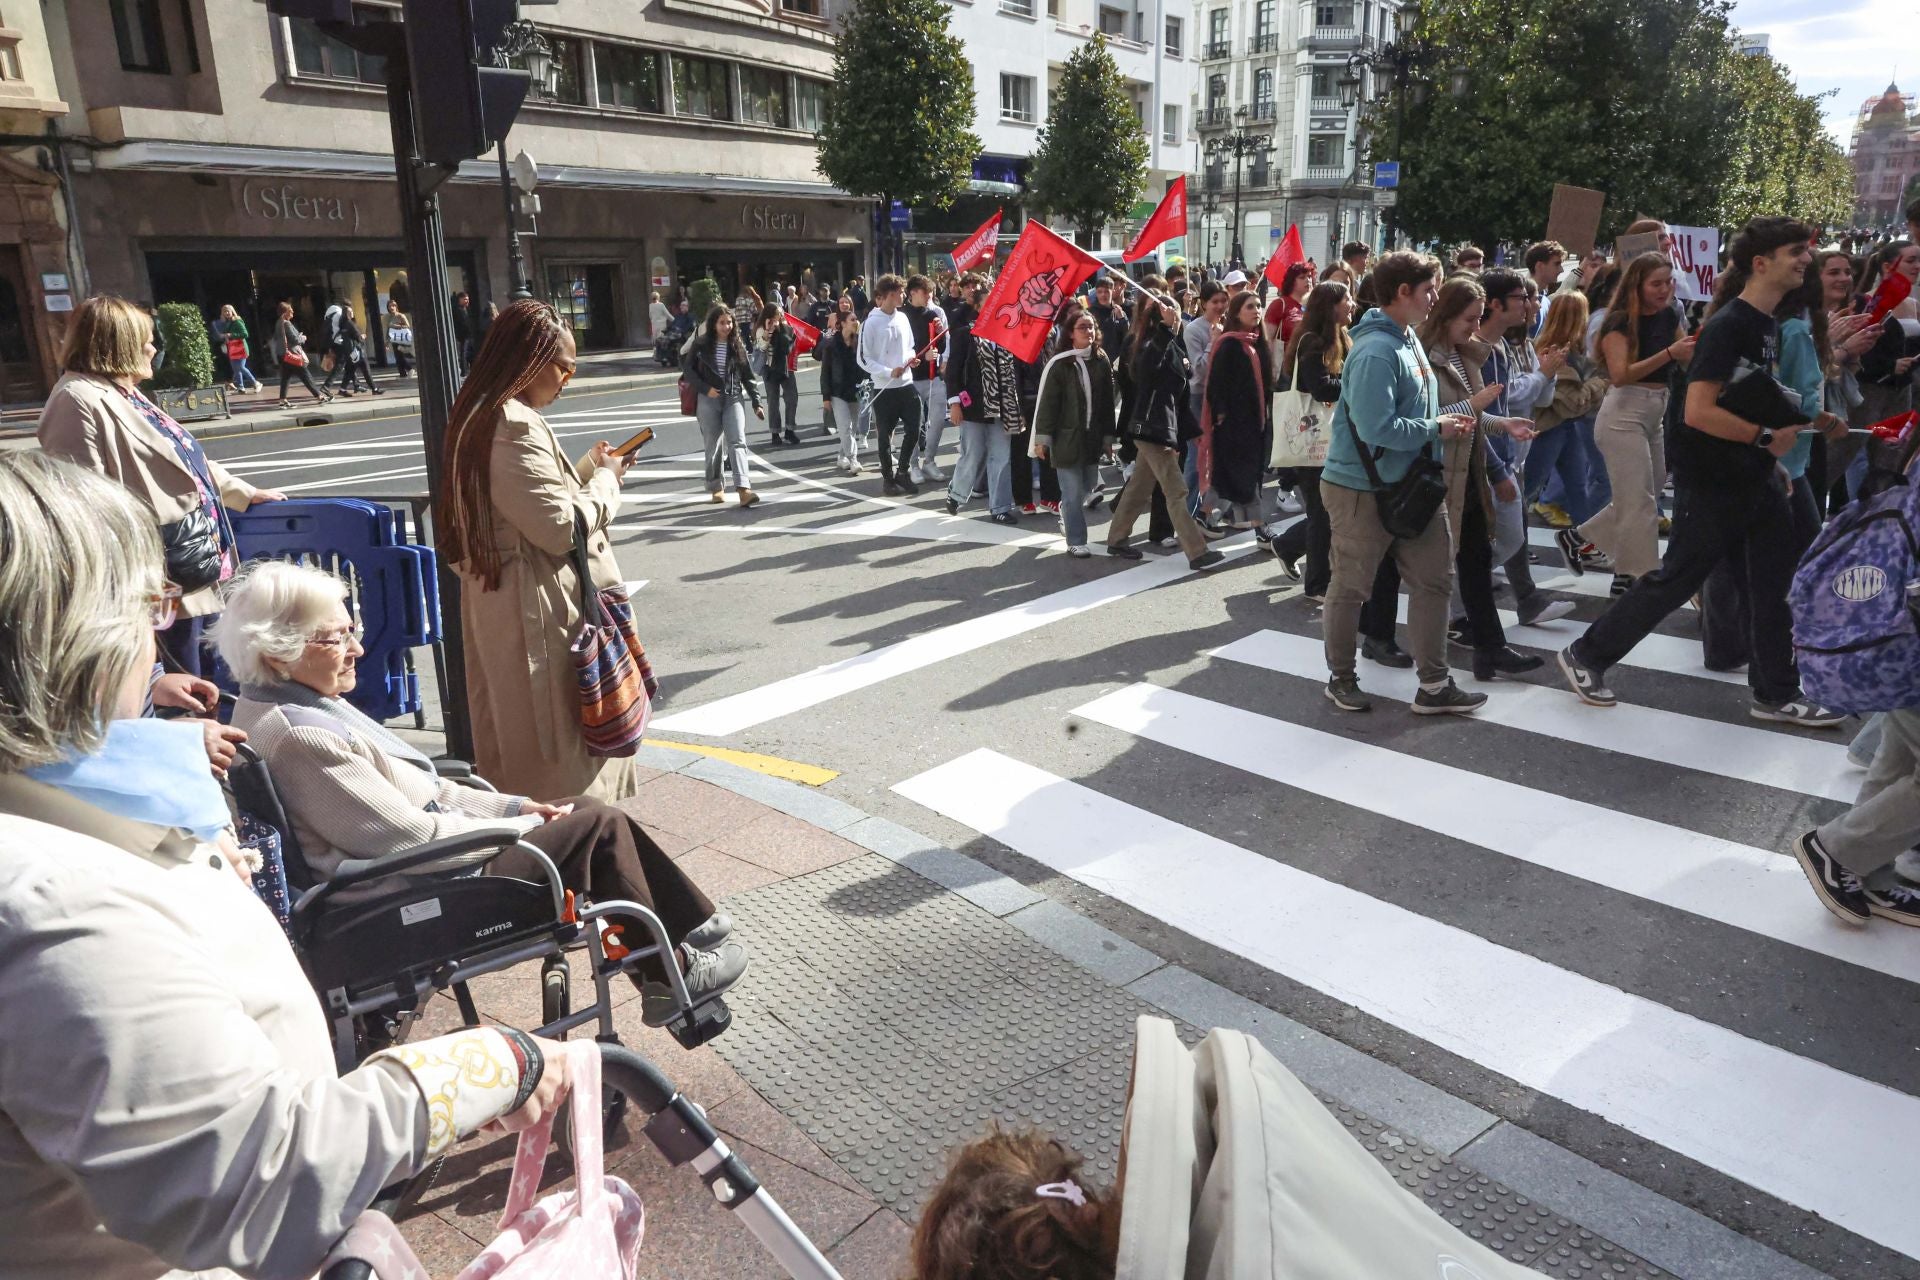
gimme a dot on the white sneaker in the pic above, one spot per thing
(917, 474)
(1079, 553)
(1291, 505)
(932, 471)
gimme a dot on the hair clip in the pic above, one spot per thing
(1068, 1190)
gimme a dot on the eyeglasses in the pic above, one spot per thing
(566, 372)
(1085, 326)
(340, 639)
(163, 607)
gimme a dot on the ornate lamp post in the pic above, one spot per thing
(1401, 66)
(521, 41)
(1239, 144)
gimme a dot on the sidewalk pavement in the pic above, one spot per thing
(904, 997)
(258, 411)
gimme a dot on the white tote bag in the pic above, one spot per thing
(1302, 426)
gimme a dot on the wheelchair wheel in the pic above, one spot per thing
(555, 1002)
(613, 1109)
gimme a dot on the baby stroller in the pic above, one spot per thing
(1231, 1167)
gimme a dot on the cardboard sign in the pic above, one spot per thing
(1696, 261)
(1627, 248)
(1574, 217)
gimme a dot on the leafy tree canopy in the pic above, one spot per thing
(1091, 162)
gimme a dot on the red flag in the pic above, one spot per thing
(806, 338)
(980, 246)
(1893, 291)
(1895, 430)
(1168, 221)
(1041, 274)
(1285, 256)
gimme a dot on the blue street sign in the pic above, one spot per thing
(1386, 174)
(902, 216)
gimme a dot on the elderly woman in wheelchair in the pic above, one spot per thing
(354, 793)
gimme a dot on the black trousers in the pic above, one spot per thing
(1382, 610)
(1725, 615)
(1748, 523)
(1473, 573)
(605, 855)
(1049, 479)
(897, 407)
(291, 371)
(1311, 537)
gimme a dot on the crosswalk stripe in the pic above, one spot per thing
(1538, 536)
(303, 464)
(347, 483)
(703, 498)
(1675, 655)
(1815, 768)
(1813, 1135)
(1753, 889)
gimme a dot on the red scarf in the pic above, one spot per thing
(1204, 464)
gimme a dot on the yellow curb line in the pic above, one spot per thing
(810, 775)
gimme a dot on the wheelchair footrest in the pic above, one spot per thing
(703, 1022)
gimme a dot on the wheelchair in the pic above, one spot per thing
(377, 944)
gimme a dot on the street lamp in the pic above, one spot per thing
(1398, 69)
(1209, 205)
(522, 41)
(1239, 144)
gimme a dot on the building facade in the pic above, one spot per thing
(36, 288)
(1270, 72)
(1886, 158)
(257, 167)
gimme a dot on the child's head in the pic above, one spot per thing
(1014, 1207)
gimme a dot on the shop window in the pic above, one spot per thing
(763, 96)
(809, 104)
(702, 87)
(1016, 98)
(629, 78)
(317, 54)
(138, 34)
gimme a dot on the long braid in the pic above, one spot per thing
(522, 341)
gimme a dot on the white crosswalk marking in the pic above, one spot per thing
(1815, 767)
(1675, 655)
(1808, 1133)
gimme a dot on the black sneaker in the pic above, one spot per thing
(1457, 632)
(1124, 551)
(889, 488)
(1205, 560)
(1587, 683)
(1838, 889)
(1622, 583)
(1505, 661)
(953, 508)
(908, 487)
(1899, 903)
(1385, 652)
(1571, 544)
(1004, 517)
(1450, 701)
(1345, 694)
(1800, 711)
(1289, 565)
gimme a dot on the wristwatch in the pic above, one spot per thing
(1764, 439)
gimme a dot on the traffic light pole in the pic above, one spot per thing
(437, 373)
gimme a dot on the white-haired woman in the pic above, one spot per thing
(168, 1096)
(354, 790)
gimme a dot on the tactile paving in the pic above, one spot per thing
(893, 1021)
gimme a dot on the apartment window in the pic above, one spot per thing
(1217, 27)
(1216, 93)
(137, 32)
(1113, 22)
(319, 55)
(1333, 15)
(1323, 82)
(810, 8)
(1263, 18)
(628, 78)
(1053, 9)
(1021, 8)
(763, 96)
(1263, 90)
(809, 104)
(1170, 123)
(1323, 150)
(1176, 31)
(702, 87)
(1016, 98)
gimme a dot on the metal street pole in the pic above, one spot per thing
(516, 264)
(1239, 155)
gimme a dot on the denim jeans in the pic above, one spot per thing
(984, 446)
(723, 431)
(933, 420)
(1563, 452)
(844, 417)
(1076, 482)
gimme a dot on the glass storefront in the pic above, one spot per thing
(590, 297)
(764, 269)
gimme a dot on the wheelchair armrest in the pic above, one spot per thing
(356, 870)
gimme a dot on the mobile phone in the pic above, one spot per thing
(641, 437)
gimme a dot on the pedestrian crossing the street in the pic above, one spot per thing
(1624, 1039)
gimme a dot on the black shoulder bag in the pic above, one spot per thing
(1408, 506)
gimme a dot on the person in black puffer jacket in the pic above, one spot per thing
(777, 340)
(1157, 379)
(842, 383)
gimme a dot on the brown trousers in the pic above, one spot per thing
(1155, 464)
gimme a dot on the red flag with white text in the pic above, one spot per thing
(1040, 275)
(806, 338)
(980, 246)
(1289, 252)
(1893, 291)
(1168, 221)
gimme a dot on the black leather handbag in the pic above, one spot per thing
(1408, 505)
(193, 549)
(1756, 396)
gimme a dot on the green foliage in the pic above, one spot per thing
(701, 295)
(189, 354)
(1090, 164)
(1646, 100)
(899, 111)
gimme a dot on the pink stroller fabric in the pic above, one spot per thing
(592, 1230)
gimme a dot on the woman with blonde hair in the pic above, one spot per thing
(511, 501)
(96, 416)
(1563, 440)
(231, 329)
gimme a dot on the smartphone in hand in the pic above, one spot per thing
(632, 446)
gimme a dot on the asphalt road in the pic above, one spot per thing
(1579, 920)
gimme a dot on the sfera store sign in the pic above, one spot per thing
(768, 217)
(309, 210)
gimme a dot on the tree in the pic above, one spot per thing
(183, 334)
(898, 119)
(1090, 165)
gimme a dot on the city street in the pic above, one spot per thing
(1580, 921)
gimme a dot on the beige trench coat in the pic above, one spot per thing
(520, 683)
(88, 421)
(1466, 457)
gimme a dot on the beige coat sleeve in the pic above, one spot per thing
(476, 803)
(531, 493)
(357, 809)
(235, 493)
(74, 429)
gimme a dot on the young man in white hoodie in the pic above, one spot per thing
(887, 354)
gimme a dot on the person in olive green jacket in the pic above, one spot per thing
(1073, 421)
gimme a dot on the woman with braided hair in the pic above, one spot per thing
(507, 528)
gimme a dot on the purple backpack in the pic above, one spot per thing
(1854, 599)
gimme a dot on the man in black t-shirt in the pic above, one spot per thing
(1730, 498)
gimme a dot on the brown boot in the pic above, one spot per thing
(748, 497)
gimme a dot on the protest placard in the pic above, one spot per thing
(1627, 248)
(1696, 261)
(1573, 218)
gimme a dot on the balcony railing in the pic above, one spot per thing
(1213, 180)
(1213, 118)
(1262, 113)
(1326, 106)
(1260, 175)
(1326, 173)
(1216, 50)
(1266, 43)
(1333, 37)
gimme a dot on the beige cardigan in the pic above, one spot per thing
(347, 798)
(87, 420)
(520, 682)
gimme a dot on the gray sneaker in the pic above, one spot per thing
(1907, 866)
(707, 974)
(709, 933)
(1450, 701)
(1588, 683)
(1808, 715)
(1345, 694)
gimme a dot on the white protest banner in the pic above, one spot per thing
(1696, 261)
